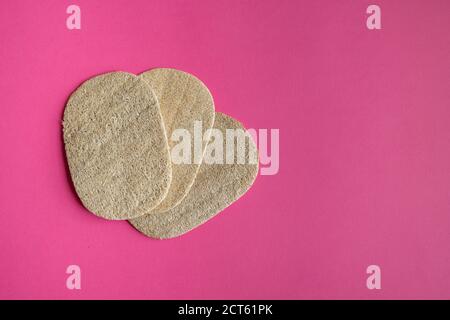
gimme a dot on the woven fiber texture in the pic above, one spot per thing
(216, 186)
(183, 100)
(116, 146)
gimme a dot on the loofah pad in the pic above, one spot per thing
(184, 102)
(116, 146)
(216, 186)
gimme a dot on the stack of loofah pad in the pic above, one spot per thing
(120, 134)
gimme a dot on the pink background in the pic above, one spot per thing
(364, 119)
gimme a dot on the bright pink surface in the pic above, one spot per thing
(364, 119)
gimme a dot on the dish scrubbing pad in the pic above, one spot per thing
(116, 146)
(216, 186)
(185, 102)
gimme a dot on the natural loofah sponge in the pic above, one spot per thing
(185, 102)
(216, 186)
(116, 146)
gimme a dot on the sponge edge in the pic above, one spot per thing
(216, 186)
(116, 146)
(184, 100)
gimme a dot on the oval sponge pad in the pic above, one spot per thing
(185, 104)
(216, 186)
(116, 146)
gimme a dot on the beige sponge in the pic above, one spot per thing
(116, 146)
(185, 103)
(216, 186)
